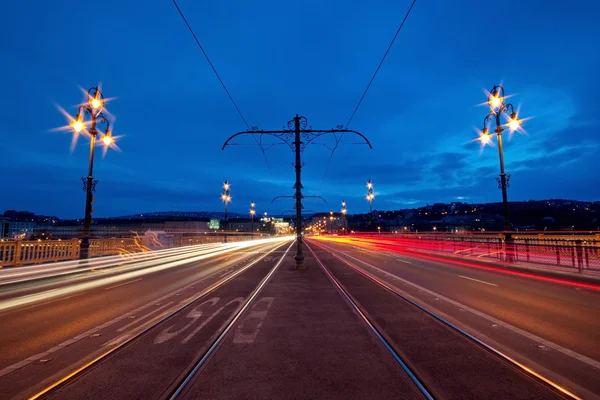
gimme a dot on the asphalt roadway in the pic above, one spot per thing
(551, 327)
(43, 340)
(293, 335)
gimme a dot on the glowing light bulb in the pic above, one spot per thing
(107, 140)
(95, 103)
(77, 126)
(514, 122)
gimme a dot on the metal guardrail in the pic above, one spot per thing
(22, 252)
(577, 252)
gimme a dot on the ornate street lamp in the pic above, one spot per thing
(498, 107)
(93, 109)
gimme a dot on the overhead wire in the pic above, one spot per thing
(338, 140)
(224, 87)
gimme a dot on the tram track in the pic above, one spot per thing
(441, 359)
(159, 354)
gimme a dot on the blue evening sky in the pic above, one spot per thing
(280, 58)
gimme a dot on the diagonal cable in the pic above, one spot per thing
(337, 142)
(223, 84)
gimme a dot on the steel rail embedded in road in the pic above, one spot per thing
(520, 366)
(86, 367)
(226, 330)
(420, 385)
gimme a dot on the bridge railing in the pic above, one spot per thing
(580, 252)
(23, 252)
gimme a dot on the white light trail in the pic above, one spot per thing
(150, 266)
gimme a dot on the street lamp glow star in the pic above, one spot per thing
(77, 125)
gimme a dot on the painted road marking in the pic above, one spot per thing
(404, 261)
(77, 338)
(7, 370)
(226, 272)
(194, 314)
(531, 336)
(122, 284)
(238, 300)
(477, 280)
(258, 312)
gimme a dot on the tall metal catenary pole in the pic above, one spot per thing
(299, 257)
(294, 135)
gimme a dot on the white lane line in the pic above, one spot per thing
(404, 261)
(477, 280)
(77, 338)
(31, 359)
(531, 336)
(122, 284)
(156, 310)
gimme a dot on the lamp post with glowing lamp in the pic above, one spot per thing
(93, 108)
(331, 222)
(226, 197)
(252, 212)
(498, 107)
(370, 197)
(344, 211)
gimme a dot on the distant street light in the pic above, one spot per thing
(226, 197)
(344, 211)
(330, 222)
(252, 212)
(370, 197)
(93, 108)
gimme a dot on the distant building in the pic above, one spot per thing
(16, 229)
(244, 225)
(185, 226)
(331, 222)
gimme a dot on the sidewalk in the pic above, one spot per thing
(301, 340)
